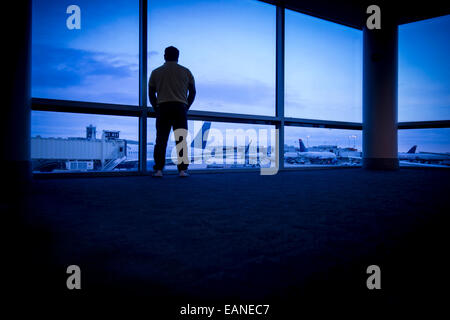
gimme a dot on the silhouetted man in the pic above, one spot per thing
(171, 90)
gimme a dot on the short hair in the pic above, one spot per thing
(171, 54)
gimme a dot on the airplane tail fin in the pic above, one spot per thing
(201, 136)
(302, 145)
(413, 149)
(246, 154)
(248, 147)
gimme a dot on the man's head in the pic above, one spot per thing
(171, 54)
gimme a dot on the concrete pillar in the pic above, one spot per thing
(16, 114)
(380, 95)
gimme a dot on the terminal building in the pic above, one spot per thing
(79, 154)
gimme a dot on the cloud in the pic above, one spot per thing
(75, 74)
(66, 67)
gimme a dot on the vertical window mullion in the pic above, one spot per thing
(280, 82)
(143, 85)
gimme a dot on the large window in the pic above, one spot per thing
(231, 48)
(63, 142)
(424, 70)
(98, 62)
(323, 69)
(229, 45)
(305, 146)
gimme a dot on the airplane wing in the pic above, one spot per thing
(418, 164)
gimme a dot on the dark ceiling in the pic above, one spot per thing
(353, 12)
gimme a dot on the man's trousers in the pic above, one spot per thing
(171, 115)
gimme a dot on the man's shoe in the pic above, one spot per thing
(183, 174)
(157, 174)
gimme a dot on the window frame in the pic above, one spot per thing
(143, 111)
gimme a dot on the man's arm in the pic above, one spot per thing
(152, 96)
(191, 94)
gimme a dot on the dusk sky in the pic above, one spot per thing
(230, 48)
(424, 70)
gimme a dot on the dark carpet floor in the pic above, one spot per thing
(296, 240)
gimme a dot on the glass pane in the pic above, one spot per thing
(98, 62)
(424, 147)
(424, 70)
(323, 69)
(63, 142)
(219, 145)
(305, 146)
(229, 46)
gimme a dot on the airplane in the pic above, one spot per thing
(241, 156)
(423, 158)
(315, 157)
